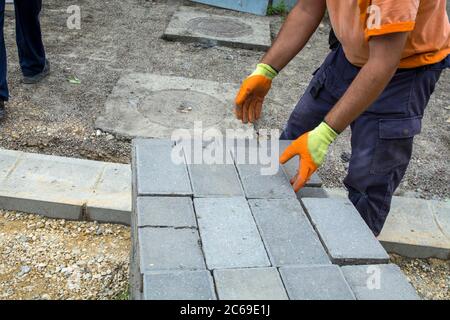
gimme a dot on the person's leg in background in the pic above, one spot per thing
(29, 40)
(4, 94)
(382, 143)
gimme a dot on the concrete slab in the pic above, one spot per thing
(8, 160)
(345, 235)
(417, 228)
(287, 234)
(169, 249)
(156, 173)
(249, 284)
(256, 185)
(65, 188)
(186, 285)
(251, 6)
(56, 187)
(316, 283)
(379, 282)
(229, 234)
(111, 198)
(194, 25)
(175, 212)
(153, 106)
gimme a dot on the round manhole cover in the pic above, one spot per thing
(180, 108)
(219, 27)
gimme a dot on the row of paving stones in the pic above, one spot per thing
(66, 188)
(228, 232)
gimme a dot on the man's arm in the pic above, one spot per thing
(299, 26)
(312, 147)
(385, 55)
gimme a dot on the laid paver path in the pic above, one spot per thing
(255, 244)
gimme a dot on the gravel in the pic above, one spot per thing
(430, 277)
(48, 259)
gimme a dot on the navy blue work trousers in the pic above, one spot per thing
(382, 137)
(28, 38)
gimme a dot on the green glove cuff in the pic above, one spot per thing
(263, 69)
(319, 140)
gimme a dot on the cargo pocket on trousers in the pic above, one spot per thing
(395, 142)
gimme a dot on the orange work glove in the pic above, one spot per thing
(252, 93)
(311, 148)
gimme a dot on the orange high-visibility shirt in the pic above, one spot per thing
(356, 21)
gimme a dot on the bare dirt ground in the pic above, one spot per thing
(43, 259)
(56, 117)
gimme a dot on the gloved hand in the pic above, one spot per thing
(253, 90)
(311, 148)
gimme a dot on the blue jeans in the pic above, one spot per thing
(382, 137)
(28, 38)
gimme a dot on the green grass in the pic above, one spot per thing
(279, 9)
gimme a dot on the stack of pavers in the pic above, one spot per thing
(204, 232)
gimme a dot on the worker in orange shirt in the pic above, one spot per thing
(385, 63)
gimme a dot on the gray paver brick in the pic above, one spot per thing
(259, 186)
(227, 31)
(249, 284)
(344, 233)
(391, 284)
(165, 212)
(157, 174)
(229, 234)
(185, 285)
(316, 283)
(308, 192)
(220, 180)
(287, 233)
(169, 249)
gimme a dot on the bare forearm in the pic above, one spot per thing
(300, 24)
(364, 90)
(370, 82)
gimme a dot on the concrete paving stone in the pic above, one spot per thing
(287, 234)
(249, 284)
(316, 283)
(156, 106)
(169, 249)
(176, 212)
(258, 180)
(308, 192)
(186, 285)
(229, 234)
(220, 180)
(56, 187)
(344, 233)
(379, 282)
(58, 209)
(111, 198)
(291, 167)
(193, 25)
(8, 160)
(215, 175)
(157, 174)
(417, 228)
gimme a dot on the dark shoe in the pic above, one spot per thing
(36, 78)
(2, 110)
